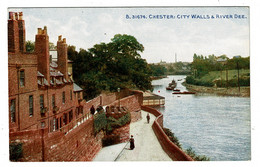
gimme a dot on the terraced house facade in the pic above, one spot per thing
(42, 93)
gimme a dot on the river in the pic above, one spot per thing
(215, 126)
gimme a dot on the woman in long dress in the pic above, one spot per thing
(132, 143)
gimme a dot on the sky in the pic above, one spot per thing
(162, 39)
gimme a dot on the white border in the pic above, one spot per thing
(254, 50)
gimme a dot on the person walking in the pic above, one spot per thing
(148, 118)
(132, 142)
(92, 110)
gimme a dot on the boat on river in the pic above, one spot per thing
(171, 85)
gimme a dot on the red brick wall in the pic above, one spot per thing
(27, 63)
(32, 144)
(132, 104)
(123, 132)
(78, 145)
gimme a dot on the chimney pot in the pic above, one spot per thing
(11, 15)
(59, 37)
(16, 16)
(20, 15)
(64, 40)
(39, 31)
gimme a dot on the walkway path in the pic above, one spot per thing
(147, 147)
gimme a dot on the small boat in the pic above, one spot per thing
(179, 79)
(168, 88)
(177, 90)
(183, 93)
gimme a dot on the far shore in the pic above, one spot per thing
(232, 91)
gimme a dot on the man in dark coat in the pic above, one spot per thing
(92, 110)
(148, 118)
(132, 143)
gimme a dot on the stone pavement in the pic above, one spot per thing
(147, 147)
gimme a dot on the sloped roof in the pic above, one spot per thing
(76, 88)
(53, 64)
(39, 74)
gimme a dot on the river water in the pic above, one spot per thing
(215, 126)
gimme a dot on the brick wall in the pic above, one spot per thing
(132, 104)
(78, 145)
(32, 144)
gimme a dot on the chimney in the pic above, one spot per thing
(62, 56)
(13, 33)
(21, 27)
(42, 52)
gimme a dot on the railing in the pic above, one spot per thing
(70, 126)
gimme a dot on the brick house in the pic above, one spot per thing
(42, 93)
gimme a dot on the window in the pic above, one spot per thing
(70, 94)
(63, 97)
(43, 124)
(31, 105)
(55, 124)
(21, 78)
(70, 116)
(53, 101)
(41, 101)
(13, 110)
(60, 122)
(65, 119)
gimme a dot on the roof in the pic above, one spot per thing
(56, 74)
(76, 88)
(53, 64)
(151, 96)
(40, 74)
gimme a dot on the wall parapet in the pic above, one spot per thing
(173, 151)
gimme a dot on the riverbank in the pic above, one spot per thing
(232, 91)
(158, 77)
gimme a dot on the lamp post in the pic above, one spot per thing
(223, 61)
(118, 90)
(237, 58)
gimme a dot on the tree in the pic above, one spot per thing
(108, 66)
(29, 46)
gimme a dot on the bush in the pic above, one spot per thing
(245, 81)
(193, 155)
(113, 123)
(110, 140)
(100, 122)
(15, 151)
(191, 80)
(171, 136)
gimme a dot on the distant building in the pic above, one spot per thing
(41, 89)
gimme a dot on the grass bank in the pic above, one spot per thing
(231, 91)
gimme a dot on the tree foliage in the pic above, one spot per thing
(29, 46)
(108, 66)
(202, 65)
(157, 70)
(15, 151)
